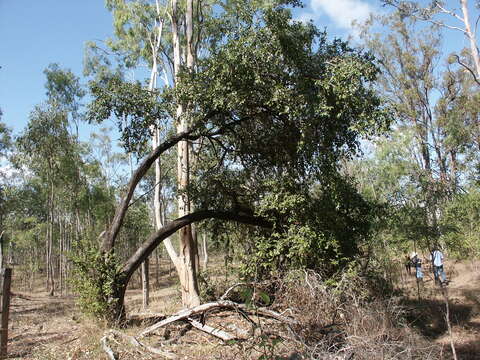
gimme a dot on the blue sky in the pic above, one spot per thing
(36, 33)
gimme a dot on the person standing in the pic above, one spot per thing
(417, 263)
(408, 265)
(437, 262)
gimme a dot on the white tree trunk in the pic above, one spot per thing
(205, 251)
(471, 37)
(145, 284)
(186, 261)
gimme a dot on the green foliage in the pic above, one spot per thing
(64, 88)
(322, 229)
(94, 279)
(461, 225)
(134, 107)
(5, 138)
(303, 98)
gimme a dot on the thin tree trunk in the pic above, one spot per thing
(155, 44)
(1, 249)
(205, 251)
(185, 263)
(471, 37)
(145, 284)
(60, 255)
(157, 269)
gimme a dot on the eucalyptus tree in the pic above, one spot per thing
(5, 143)
(409, 54)
(44, 143)
(5, 137)
(64, 88)
(447, 16)
(52, 153)
(430, 155)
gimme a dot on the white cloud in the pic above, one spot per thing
(341, 12)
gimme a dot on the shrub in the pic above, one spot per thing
(93, 277)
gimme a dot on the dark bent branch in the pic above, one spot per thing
(171, 227)
(467, 68)
(111, 234)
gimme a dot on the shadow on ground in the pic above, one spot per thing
(428, 316)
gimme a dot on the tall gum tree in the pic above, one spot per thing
(445, 15)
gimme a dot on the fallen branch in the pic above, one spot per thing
(133, 341)
(21, 296)
(187, 313)
(274, 315)
(238, 331)
(111, 355)
(211, 330)
(69, 341)
(184, 314)
(224, 296)
(146, 315)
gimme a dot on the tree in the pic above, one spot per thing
(5, 138)
(275, 78)
(53, 155)
(5, 143)
(409, 61)
(420, 168)
(168, 36)
(439, 14)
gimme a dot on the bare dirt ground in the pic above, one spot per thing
(44, 327)
(428, 310)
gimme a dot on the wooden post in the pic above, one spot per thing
(5, 282)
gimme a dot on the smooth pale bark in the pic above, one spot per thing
(185, 261)
(154, 46)
(471, 37)
(205, 252)
(145, 283)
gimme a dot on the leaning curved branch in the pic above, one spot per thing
(111, 234)
(192, 134)
(467, 68)
(171, 227)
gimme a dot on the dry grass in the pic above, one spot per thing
(346, 321)
(43, 327)
(349, 321)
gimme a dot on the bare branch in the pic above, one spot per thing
(442, 24)
(467, 68)
(449, 12)
(187, 313)
(108, 350)
(211, 330)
